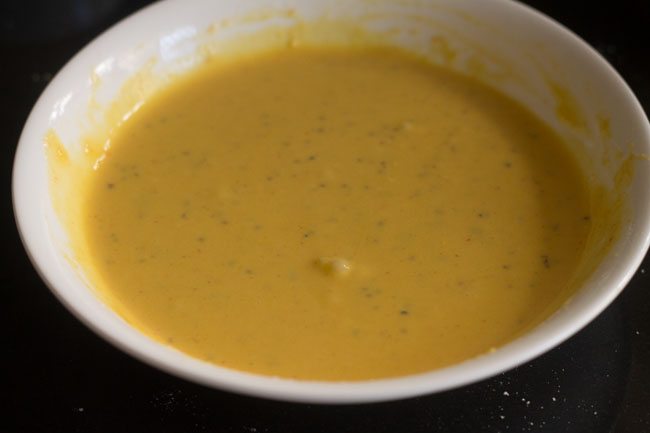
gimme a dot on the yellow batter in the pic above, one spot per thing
(334, 214)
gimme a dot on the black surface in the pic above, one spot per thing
(57, 376)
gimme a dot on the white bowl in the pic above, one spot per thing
(514, 48)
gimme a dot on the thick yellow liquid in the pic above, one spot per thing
(334, 214)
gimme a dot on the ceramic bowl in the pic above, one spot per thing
(510, 46)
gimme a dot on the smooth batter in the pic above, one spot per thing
(334, 214)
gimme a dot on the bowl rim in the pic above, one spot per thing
(511, 355)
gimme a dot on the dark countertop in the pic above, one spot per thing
(57, 376)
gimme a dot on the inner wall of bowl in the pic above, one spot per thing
(493, 41)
